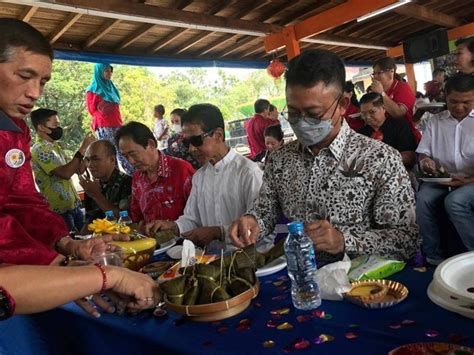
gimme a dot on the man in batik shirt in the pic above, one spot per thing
(353, 192)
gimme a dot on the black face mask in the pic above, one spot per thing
(56, 133)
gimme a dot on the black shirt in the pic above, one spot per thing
(396, 133)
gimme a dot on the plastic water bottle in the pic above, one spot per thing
(125, 218)
(301, 264)
(109, 216)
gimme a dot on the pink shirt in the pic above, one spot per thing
(255, 128)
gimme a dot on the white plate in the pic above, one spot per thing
(355, 115)
(456, 275)
(273, 267)
(165, 247)
(442, 302)
(437, 180)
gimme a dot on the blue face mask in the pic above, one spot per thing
(310, 133)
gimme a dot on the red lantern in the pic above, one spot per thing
(276, 68)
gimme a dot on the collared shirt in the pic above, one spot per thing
(60, 193)
(396, 133)
(221, 193)
(104, 113)
(117, 191)
(450, 143)
(359, 184)
(28, 228)
(255, 128)
(160, 126)
(165, 197)
(402, 94)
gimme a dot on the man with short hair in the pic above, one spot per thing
(448, 143)
(353, 192)
(395, 133)
(223, 189)
(161, 127)
(110, 189)
(256, 125)
(30, 232)
(161, 184)
(52, 173)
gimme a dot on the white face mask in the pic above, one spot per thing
(309, 133)
(176, 128)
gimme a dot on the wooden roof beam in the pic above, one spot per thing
(241, 44)
(166, 40)
(333, 17)
(138, 12)
(28, 13)
(101, 32)
(135, 36)
(454, 33)
(191, 42)
(426, 14)
(63, 27)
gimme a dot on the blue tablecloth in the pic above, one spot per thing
(68, 330)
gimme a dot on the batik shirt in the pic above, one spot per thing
(358, 184)
(60, 193)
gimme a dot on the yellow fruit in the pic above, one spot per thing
(135, 246)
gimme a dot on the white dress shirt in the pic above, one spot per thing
(450, 143)
(221, 193)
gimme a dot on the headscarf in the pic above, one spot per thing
(102, 87)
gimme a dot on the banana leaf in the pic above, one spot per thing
(174, 289)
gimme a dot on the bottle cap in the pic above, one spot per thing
(123, 214)
(295, 227)
(109, 214)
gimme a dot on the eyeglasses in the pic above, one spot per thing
(368, 113)
(196, 141)
(294, 117)
(375, 73)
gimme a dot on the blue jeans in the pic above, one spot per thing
(435, 203)
(74, 219)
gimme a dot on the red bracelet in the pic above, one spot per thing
(104, 276)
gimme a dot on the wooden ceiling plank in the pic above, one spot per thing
(63, 27)
(28, 13)
(101, 32)
(191, 42)
(135, 36)
(426, 14)
(241, 44)
(326, 20)
(166, 40)
(169, 17)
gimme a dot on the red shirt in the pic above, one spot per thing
(28, 229)
(254, 128)
(164, 198)
(104, 113)
(402, 94)
(355, 123)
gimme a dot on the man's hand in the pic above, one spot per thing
(160, 225)
(459, 181)
(91, 187)
(428, 165)
(325, 237)
(202, 236)
(88, 139)
(85, 249)
(244, 231)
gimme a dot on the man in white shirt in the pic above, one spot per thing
(448, 142)
(223, 189)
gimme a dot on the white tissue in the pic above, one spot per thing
(188, 254)
(333, 280)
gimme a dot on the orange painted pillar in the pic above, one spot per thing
(411, 76)
(292, 45)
